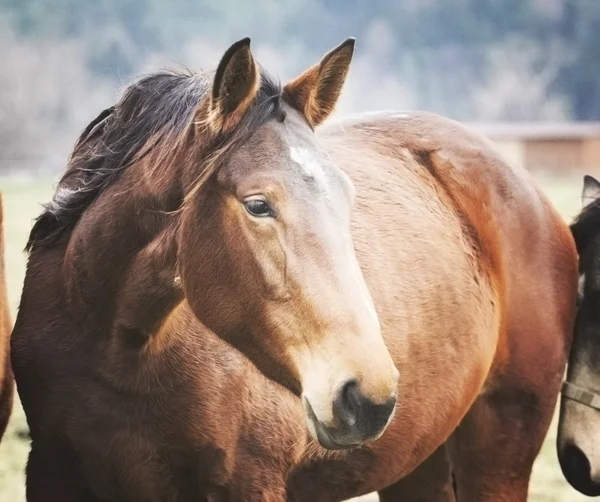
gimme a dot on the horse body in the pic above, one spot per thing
(493, 368)
(130, 396)
(6, 377)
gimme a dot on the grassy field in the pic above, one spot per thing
(22, 203)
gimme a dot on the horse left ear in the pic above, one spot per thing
(235, 85)
(316, 91)
(591, 189)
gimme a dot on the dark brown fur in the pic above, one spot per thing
(129, 397)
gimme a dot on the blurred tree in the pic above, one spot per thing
(471, 60)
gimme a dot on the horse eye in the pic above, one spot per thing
(258, 207)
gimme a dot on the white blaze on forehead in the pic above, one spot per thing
(312, 167)
(309, 164)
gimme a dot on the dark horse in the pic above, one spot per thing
(210, 277)
(6, 376)
(579, 422)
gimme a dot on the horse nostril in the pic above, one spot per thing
(576, 463)
(577, 470)
(358, 414)
(347, 405)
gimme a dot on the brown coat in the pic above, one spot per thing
(190, 250)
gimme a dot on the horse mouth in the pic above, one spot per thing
(319, 431)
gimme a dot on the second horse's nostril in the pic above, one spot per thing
(576, 468)
(576, 463)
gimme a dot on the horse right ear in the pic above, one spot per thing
(235, 86)
(591, 189)
(316, 91)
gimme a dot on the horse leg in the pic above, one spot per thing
(429, 482)
(494, 448)
(52, 476)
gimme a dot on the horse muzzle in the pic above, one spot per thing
(357, 420)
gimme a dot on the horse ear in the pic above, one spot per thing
(235, 85)
(316, 91)
(591, 189)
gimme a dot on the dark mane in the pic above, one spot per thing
(586, 227)
(155, 113)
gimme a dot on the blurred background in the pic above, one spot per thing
(524, 72)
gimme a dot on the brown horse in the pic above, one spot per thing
(578, 439)
(202, 231)
(6, 377)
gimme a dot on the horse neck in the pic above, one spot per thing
(120, 263)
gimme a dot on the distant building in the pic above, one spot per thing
(564, 146)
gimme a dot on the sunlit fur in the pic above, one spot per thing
(6, 377)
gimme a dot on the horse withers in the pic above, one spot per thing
(579, 422)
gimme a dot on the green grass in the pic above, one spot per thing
(22, 204)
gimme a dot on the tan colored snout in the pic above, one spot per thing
(349, 399)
